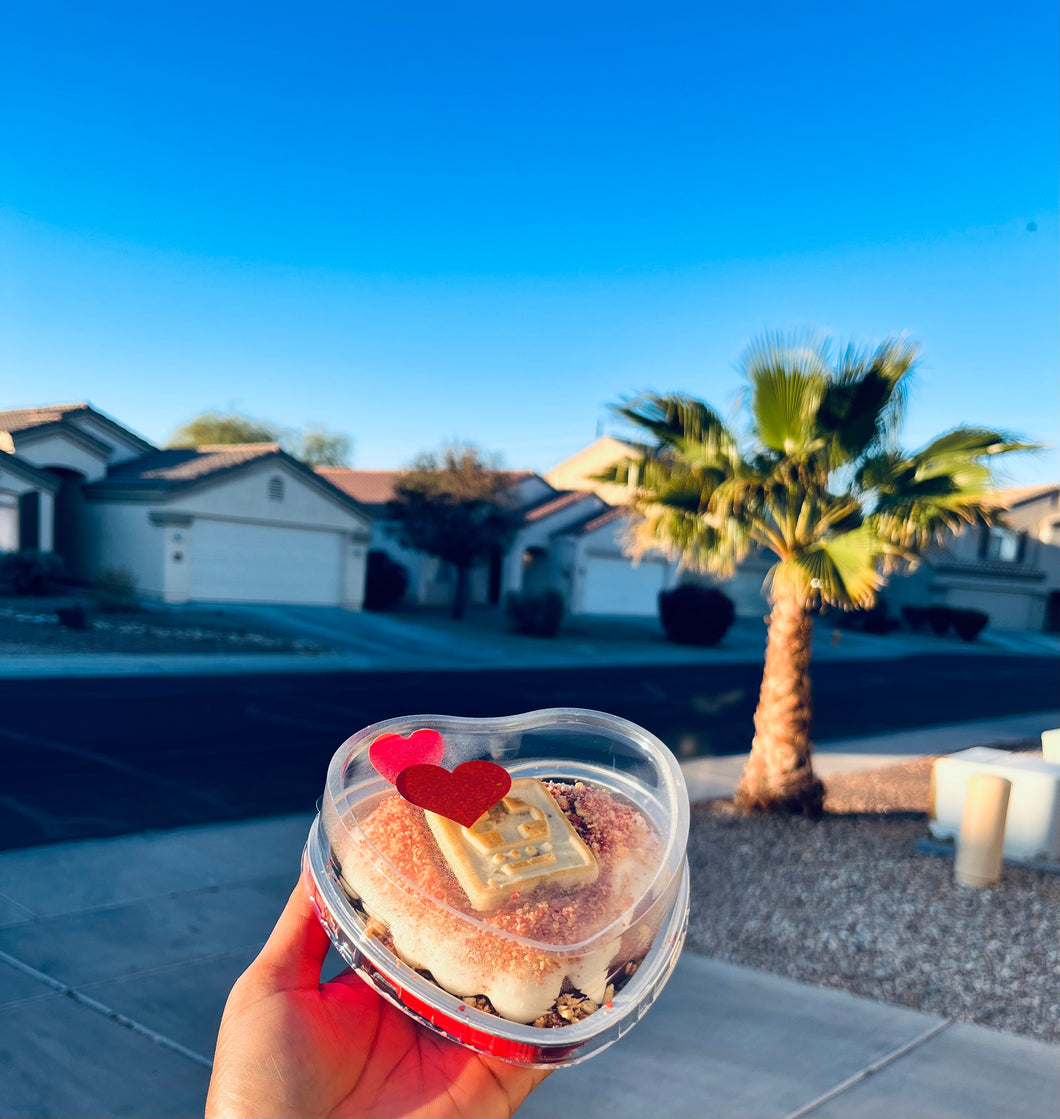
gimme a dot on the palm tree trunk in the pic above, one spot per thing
(778, 776)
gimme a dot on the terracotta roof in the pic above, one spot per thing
(58, 415)
(369, 487)
(378, 487)
(21, 419)
(598, 520)
(554, 504)
(179, 465)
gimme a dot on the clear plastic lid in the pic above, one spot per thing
(549, 889)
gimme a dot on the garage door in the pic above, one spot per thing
(615, 586)
(260, 563)
(1007, 611)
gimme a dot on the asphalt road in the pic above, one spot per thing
(86, 758)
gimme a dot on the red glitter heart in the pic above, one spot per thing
(391, 753)
(463, 795)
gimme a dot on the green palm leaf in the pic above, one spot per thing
(864, 404)
(788, 380)
(819, 481)
(842, 569)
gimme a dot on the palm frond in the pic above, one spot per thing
(677, 419)
(965, 444)
(824, 484)
(937, 490)
(788, 378)
(864, 404)
(839, 570)
(699, 543)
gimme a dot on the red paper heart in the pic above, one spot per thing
(462, 795)
(391, 753)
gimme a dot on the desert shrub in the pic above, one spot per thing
(939, 618)
(915, 617)
(385, 581)
(695, 615)
(969, 623)
(535, 613)
(30, 573)
(114, 590)
(72, 617)
(876, 619)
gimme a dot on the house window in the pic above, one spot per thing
(276, 489)
(1001, 545)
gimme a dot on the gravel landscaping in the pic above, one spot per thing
(847, 902)
(30, 626)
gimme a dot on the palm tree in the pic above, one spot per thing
(822, 484)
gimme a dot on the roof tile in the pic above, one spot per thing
(177, 465)
(556, 503)
(379, 487)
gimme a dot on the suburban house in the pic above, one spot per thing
(609, 573)
(568, 539)
(430, 579)
(249, 523)
(225, 524)
(1009, 571)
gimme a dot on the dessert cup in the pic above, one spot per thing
(556, 951)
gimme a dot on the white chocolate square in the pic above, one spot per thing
(523, 841)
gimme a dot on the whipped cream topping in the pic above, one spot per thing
(480, 956)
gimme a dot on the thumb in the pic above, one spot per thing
(294, 953)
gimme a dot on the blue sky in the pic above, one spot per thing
(417, 222)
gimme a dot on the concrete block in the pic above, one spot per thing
(955, 1075)
(1051, 745)
(114, 942)
(1032, 830)
(68, 878)
(726, 1042)
(17, 986)
(63, 1059)
(183, 1003)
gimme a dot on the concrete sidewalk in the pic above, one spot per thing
(116, 957)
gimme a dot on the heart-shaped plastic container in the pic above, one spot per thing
(553, 974)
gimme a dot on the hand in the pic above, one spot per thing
(289, 1046)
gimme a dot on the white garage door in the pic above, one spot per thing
(1007, 611)
(260, 563)
(615, 586)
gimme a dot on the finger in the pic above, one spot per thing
(295, 950)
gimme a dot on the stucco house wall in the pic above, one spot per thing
(430, 580)
(123, 444)
(1010, 571)
(528, 565)
(577, 472)
(64, 449)
(602, 579)
(246, 497)
(263, 535)
(121, 535)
